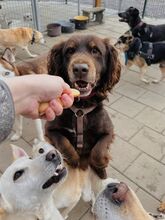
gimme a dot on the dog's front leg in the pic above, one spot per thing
(64, 146)
(100, 156)
(162, 69)
(143, 70)
(49, 211)
(39, 129)
(28, 52)
(19, 127)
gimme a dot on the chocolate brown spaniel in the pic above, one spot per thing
(83, 134)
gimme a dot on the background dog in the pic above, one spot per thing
(117, 201)
(26, 186)
(142, 54)
(146, 32)
(20, 37)
(84, 133)
(8, 68)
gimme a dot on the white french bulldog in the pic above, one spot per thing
(27, 184)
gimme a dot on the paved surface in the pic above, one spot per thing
(138, 114)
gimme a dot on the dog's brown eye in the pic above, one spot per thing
(70, 50)
(95, 50)
(18, 174)
(41, 151)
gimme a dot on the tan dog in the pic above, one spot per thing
(8, 68)
(20, 37)
(117, 201)
(79, 183)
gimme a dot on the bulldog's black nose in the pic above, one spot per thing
(113, 187)
(80, 69)
(51, 155)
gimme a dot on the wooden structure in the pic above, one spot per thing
(94, 14)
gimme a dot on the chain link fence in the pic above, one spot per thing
(39, 13)
(153, 8)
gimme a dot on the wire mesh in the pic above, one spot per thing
(17, 12)
(21, 12)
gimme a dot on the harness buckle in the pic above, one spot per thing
(79, 113)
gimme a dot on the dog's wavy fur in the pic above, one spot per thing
(98, 137)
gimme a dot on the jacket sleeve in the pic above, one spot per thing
(7, 111)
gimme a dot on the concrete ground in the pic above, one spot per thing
(138, 114)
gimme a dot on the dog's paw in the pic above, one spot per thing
(161, 207)
(15, 137)
(155, 81)
(145, 81)
(33, 55)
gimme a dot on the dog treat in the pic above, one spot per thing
(43, 106)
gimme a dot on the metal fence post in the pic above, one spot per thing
(78, 7)
(36, 14)
(144, 8)
(119, 6)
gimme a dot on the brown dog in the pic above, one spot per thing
(83, 134)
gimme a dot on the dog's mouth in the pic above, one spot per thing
(84, 87)
(123, 20)
(59, 174)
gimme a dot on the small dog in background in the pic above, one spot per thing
(117, 201)
(27, 184)
(146, 32)
(27, 17)
(20, 37)
(142, 54)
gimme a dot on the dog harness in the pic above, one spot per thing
(80, 113)
(149, 55)
(33, 37)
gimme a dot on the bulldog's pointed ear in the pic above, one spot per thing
(18, 152)
(9, 55)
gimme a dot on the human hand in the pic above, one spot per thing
(30, 90)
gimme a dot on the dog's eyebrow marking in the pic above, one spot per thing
(70, 44)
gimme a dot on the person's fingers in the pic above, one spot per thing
(66, 86)
(57, 107)
(67, 100)
(49, 114)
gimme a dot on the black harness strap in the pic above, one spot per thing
(149, 55)
(33, 37)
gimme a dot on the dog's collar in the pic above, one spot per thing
(33, 37)
(79, 113)
(138, 25)
(157, 216)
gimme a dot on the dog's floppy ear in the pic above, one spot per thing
(135, 12)
(18, 152)
(8, 55)
(55, 60)
(113, 68)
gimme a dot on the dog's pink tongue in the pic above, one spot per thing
(120, 195)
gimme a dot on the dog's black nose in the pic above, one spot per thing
(51, 155)
(80, 69)
(113, 187)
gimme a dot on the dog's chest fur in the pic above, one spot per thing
(95, 124)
